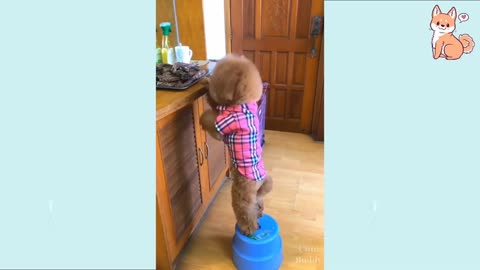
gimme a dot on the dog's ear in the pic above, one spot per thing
(453, 13)
(436, 10)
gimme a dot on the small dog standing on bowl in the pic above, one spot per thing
(234, 88)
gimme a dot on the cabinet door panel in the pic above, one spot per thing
(217, 156)
(217, 161)
(182, 176)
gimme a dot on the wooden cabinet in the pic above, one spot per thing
(191, 167)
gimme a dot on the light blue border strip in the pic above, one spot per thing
(77, 147)
(401, 140)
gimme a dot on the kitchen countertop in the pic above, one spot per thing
(168, 101)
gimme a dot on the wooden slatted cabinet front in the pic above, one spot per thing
(191, 167)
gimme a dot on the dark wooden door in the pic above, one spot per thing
(276, 35)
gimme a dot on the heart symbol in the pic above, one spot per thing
(463, 16)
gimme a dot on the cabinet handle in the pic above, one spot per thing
(206, 150)
(201, 155)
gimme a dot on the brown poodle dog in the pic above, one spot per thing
(234, 89)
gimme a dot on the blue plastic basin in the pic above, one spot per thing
(261, 251)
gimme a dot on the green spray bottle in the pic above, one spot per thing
(158, 51)
(167, 51)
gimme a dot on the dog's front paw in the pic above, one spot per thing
(207, 120)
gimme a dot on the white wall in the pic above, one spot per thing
(214, 16)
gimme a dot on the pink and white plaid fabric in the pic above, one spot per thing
(240, 127)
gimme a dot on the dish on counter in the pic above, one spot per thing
(201, 62)
(178, 76)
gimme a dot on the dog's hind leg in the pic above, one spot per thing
(244, 203)
(266, 187)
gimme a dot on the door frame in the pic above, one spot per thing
(228, 26)
(318, 130)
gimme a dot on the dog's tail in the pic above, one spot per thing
(467, 42)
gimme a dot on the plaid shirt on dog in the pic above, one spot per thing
(240, 125)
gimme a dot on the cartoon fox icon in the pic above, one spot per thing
(444, 43)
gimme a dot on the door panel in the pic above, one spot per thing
(276, 11)
(275, 35)
(216, 157)
(217, 161)
(178, 147)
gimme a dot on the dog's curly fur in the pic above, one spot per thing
(236, 81)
